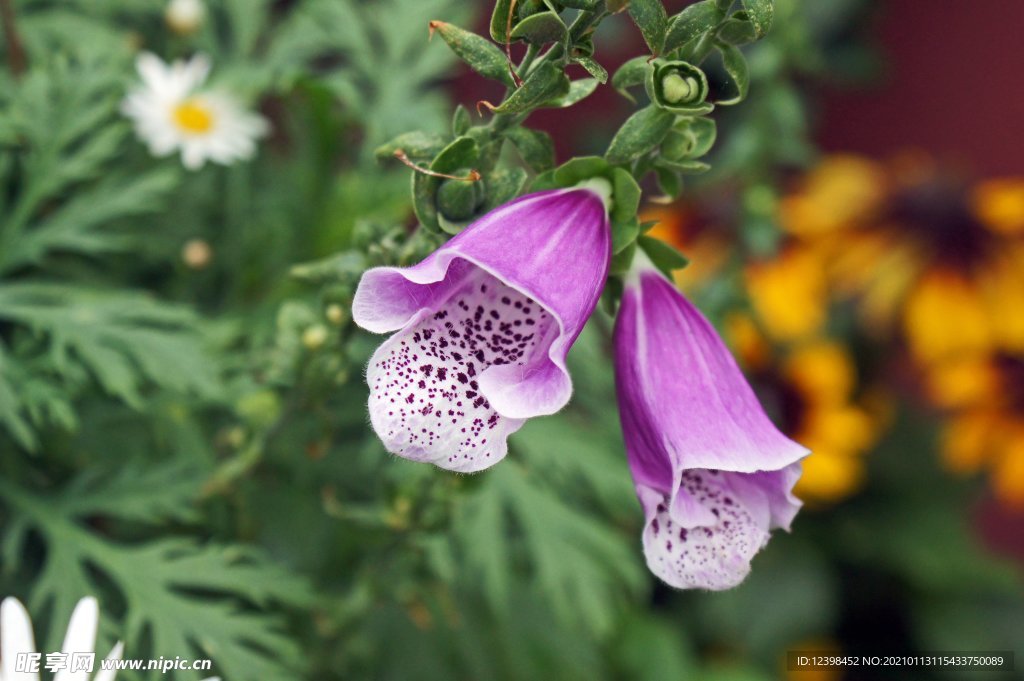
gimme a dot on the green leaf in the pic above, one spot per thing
(737, 30)
(651, 19)
(534, 146)
(685, 166)
(503, 185)
(669, 182)
(482, 55)
(593, 68)
(184, 598)
(736, 66)
(541, 28)
(500, 21)
(665, 257)
(461, 153)
(625, 203)
(460, 121)
(578, 90)
(126, 340)
(641, 132)
(545, 84)
(632, 73)
(417, 145)
(761, 14)
(698, 19)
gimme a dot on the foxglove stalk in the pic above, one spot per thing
(483, 326)
(713, 475)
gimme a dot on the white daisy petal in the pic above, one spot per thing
(15, 637)
(109, 674)
(80, 636)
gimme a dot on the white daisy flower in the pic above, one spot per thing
(171, 112)
(16, 638)
(185, 16)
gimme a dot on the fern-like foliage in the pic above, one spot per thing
(179, 594)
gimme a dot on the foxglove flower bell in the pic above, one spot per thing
(483, 326)
(713, 475)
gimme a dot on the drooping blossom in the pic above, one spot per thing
(713, 475)
(172, 113)
(483, 326)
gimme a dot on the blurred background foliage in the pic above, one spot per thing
(182, 417)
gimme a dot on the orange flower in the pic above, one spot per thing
(812, 390)
(914, 246)
(983, 396)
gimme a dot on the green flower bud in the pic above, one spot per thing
(677, 146)
(459, 200)
(679, 87)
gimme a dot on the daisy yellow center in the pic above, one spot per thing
(193, 116)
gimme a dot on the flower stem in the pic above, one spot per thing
(15, 49)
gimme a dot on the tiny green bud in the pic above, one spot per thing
(677, 88)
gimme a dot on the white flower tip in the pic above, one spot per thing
(601, 187)
(117, 651)
(88, 604)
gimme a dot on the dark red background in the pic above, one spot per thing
(954, 86)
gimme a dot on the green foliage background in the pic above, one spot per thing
(169, 443)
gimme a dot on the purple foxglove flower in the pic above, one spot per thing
(483, 326)
(713, 474)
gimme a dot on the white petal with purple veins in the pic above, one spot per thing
(425, 398)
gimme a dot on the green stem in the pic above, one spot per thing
(584, 22)
(524, 66)
(15, 48)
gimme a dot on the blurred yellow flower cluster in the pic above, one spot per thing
(936, 266)
(806, 377)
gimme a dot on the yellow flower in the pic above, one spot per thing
(812, 391)
(789, 293)
(836, 429)
(983, 396)
(999, 204)
(919, 251)
(844, 190)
